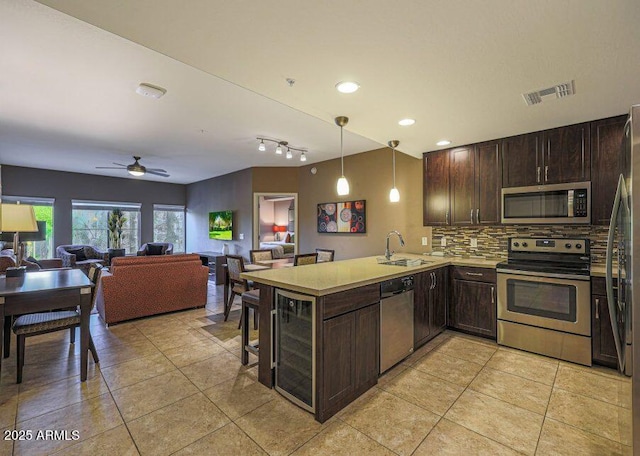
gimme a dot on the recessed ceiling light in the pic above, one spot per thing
(149, 90)
(406, 122)
(347, 86)
(444, 142)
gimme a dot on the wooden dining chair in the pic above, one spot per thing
(325, 255)
(260, 255)
(46, 322)
(305, 258)
(238, 285)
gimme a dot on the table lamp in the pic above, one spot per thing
(17, 218)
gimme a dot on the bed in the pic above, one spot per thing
(280, 249)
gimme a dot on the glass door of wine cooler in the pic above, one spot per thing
(295, 348)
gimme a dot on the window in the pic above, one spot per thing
(90, 224)
(168, 225)
(43, 207)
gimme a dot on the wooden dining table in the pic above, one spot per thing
(257, 266)
(44, 291)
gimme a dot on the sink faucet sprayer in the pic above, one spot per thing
(387, 252)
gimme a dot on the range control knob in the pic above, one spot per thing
(578, 246)
(516, 244)
(524, 244)
(567, 245)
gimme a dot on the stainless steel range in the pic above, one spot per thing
(544, 298)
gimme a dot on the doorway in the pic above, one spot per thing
(275, 223)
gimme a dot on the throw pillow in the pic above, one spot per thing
(288, 238)
(154, 249)
(33, 260)
(79, 253)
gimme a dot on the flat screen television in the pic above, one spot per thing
(221, 225)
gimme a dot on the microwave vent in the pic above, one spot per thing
(558, 91)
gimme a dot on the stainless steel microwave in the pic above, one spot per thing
(559, 204)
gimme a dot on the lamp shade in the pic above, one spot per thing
(18, 217)
(279, 228)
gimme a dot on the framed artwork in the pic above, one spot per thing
(343, 217)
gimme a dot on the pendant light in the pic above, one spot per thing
(343, 183)
(394, 194)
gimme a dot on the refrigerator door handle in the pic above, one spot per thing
(614, 312)
(272, 349)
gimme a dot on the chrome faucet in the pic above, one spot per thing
(387, 252)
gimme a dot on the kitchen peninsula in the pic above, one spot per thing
(330, 317)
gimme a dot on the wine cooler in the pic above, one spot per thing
(295, 345)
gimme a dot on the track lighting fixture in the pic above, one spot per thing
(280, 145)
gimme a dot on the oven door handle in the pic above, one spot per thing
(585, 278)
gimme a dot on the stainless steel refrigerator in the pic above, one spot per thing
(624, 246)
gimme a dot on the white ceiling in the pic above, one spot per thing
(458, 67)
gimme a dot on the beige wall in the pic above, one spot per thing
(275, 180)
(370, 178)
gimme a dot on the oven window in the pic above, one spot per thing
(550, 300)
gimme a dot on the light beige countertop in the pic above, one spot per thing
(332, 277)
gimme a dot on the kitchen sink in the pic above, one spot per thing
(406, 262)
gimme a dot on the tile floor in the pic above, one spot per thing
(169, 385)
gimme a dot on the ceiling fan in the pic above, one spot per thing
(136, 169)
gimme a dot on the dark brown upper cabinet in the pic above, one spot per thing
(436, 188)
(606, 139)
(548, 157)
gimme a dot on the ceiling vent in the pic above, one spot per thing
(559, 91)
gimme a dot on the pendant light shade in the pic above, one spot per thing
(343, 184)
(394, 194)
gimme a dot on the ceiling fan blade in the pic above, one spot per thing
(109, 167)
(119, 164)
(157, 173)
(156, 169)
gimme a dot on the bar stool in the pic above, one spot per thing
(250, 300)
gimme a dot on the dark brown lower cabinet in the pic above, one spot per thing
(472, 307)
(602, 342)
(430, 305)
(350, 358)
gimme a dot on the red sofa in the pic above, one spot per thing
(149, 285)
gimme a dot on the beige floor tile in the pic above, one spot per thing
(149, 395)
(176, 426)
(179, 337)
(391, 421)
(340, 438)
(448, 368)
(89, 418)
(424, 390)
(136, 370)
(279, 427)
(466, 349)
(591, 415)
(34, 375)
(523, 365)
(515, 390)
(6, 445)
(228, 440)
(118, 336)
(607, 389)
(392, 373)
(426, 348)
(512, 426)
(451, 439)
(116, 441)
(126, 352)
(8, 405)
(192, 353)
(214, 370)
(39, 400)
(478, 340)
(239, 396)
(560, 439)
(599, 370)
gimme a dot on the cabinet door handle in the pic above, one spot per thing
(493, 299)
(538, 175)
(435, 280)
(478, 216)
(471, 216)
(446, 217)
(597, 308)
(476, 274)
(546, 173)
(432, 286)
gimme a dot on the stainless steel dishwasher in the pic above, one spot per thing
(396, 321)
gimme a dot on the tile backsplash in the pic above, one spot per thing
(492, 240)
